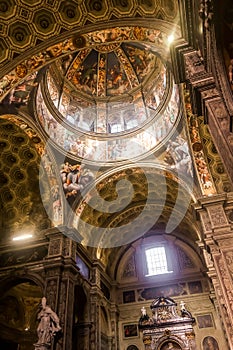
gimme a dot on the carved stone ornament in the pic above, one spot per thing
(147, 340)
(166, 325)
(205, 221)
(194, 64)
(217, 216)
(206, 12)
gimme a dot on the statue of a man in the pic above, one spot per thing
(48, 324)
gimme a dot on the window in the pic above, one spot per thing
(156, 261)
(116, 128)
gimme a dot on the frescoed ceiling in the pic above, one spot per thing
(29, 28)
(88, 87)
(26, 24)
(123, 65)
(101, 76)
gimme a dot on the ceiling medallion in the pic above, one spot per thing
(4, 6)
(70, 12)
(44, 23)
(79, 41)
(96, 5)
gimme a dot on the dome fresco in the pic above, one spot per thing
(108, 70)
(108, 92)
(116, 101)
(81, 145)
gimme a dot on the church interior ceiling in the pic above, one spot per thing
(26, 24)
(64, 79)
(89, 87)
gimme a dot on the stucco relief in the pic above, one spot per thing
(205, 221)
(55, 247)
(51, 291)
(194, 64)
(208, 259)
(206, 12)
(219, 109)
(223, 310)
(217, 216)
(225, 281)
(229, 260)
(221, 114)
(201, 164)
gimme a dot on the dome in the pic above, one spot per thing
(111, 102)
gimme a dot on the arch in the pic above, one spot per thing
(80, 305)
(19, 304)
(170, 345)
(155, 174)
(81, 319)
(129, 265)
(11, 281)
(105, 326)
(74, 41)
(49, 177)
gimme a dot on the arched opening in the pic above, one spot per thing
(19, 305)
(81, 324)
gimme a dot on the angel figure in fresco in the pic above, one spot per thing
(49, 324)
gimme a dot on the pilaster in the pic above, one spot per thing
(215, 216)
(95, 304)
(114, 315)
(60, 273)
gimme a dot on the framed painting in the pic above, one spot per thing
(195, 287)
(210, 343)
(170, 345)
(130, 330)
(129, 296)
(205, 321)
(132, 347)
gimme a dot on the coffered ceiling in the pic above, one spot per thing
(29, 32)
(26, 24)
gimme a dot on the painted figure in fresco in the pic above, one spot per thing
(49, 324)
(72, 178)
(209, 343)
(179, 152)
(170, 346)
(86, 176)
